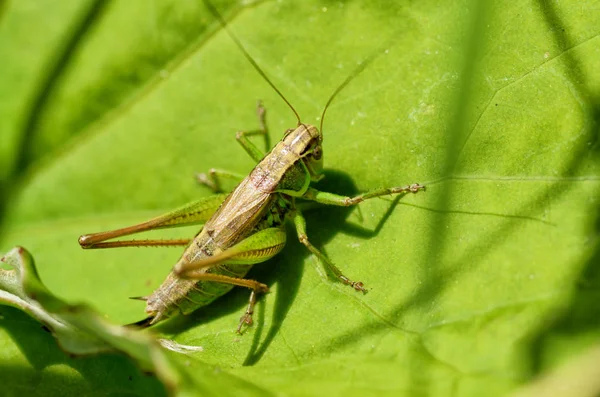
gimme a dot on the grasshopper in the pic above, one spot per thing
(246, 226)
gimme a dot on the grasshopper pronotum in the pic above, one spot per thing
(244, 227)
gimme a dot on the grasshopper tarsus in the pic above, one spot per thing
(261, 112)
(210, 180)
(415, 187)
(357, 285)
(246, 319)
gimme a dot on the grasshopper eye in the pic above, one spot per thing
(314, 151)
(317, 153)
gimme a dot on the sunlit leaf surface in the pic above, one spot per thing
(487, 279)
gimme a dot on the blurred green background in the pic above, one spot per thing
(478, 286)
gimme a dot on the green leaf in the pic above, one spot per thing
(476, 285)
(81, 331)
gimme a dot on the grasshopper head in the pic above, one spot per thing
(305, 142)
(313, 154)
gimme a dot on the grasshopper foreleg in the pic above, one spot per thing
(300, 224)
(213, 176)
(345, 201)
(242, 136)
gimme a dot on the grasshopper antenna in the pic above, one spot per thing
(214, 11)
(358, 70)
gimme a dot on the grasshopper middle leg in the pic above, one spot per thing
(344, 201)
(300, 224)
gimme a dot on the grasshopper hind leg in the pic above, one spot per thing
(255, 248)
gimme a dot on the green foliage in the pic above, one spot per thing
(487, 279)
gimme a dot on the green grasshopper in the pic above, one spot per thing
(246, 226)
